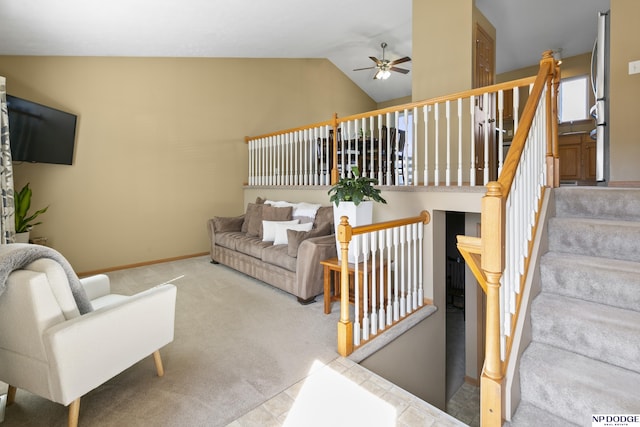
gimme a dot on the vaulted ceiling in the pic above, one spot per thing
(345, 32)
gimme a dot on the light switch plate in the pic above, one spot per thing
(634, 67)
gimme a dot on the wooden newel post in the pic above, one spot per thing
(493, 212)
(345, 326)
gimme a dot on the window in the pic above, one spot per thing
(573, 99)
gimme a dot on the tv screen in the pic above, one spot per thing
(38, 133)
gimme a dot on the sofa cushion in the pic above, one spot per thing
(252, 219)
(277, 255)
(223, 224)
(296, 237)
(269, 228)
(251, 245)
(281, 231)
(271, 213)
(324, 216)
(228, 239)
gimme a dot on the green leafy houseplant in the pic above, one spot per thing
(355, 189)
(22, 201)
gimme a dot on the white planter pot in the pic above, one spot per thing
(22, 237)
(358, 215)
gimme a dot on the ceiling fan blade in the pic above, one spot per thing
(399, 70)
(400, 61)
(376, 60)
(367, 68)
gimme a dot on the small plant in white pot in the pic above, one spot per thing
(353, 197)
(24, 221)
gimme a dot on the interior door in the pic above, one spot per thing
(485, 109)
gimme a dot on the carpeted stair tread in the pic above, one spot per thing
(595, 237)
(594, 330)
(574, 387)
(612, 282)
(529, 415)
(598, 202)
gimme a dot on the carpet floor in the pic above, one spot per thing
(238, 342)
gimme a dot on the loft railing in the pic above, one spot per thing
(510, 210)
(387, 285)
(449, 140)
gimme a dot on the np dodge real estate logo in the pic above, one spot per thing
(615, 420)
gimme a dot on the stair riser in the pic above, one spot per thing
(619, 203)
(600, 332)
(590, 281)
(608, 240)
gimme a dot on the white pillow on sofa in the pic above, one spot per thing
(269, 228)
(281, 231)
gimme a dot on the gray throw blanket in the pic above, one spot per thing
(15, 256)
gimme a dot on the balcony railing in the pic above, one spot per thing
(387, 285)
(459, 139)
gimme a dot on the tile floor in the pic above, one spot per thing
(464, 405)
(345, 393)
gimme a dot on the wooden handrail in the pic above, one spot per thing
(440, 99)
(424, 218)
(547, 68)
(486, 255)
(295, 129)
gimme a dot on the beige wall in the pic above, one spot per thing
(160, 144)
(625, 92)
(442, 47)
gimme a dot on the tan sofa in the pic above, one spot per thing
(294, 266)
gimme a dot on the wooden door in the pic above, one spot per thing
(485, 111)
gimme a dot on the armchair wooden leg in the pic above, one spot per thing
(11, 395)
(158, 361)
(74, 413)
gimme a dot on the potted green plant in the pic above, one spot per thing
(353, 197)
(24, 221)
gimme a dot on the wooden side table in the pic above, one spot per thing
(332, 276)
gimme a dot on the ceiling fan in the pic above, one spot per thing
(384, 66)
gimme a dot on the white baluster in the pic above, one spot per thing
(381, 280)
(397, 141)
(414, 145)
(403, 275)
(380, 149)
(459, 142)
(500, 130)
(389, 245)
(372, 173)
(373, 281)
(420, 269)
(472, 170)
(425, 114)
(356, 297)
(388, 148)
(447, 173)
(366, 324)
(516, 109)
(436, 164)
(486, 136)
(406, 149)
(396, 271)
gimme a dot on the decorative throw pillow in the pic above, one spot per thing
(296, 237)
(271, 213)
(252, 220)
(223, 224)
(324, 215)
(281, 231)
(269, 228)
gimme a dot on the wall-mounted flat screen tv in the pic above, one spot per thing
(41, 134)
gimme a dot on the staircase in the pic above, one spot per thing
(584, 357)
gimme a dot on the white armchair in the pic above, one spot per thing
(49, 349)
